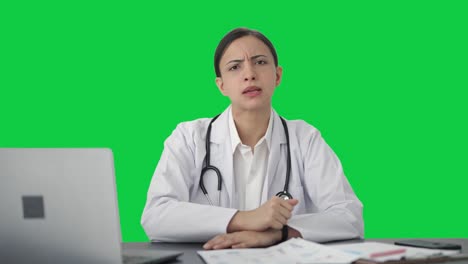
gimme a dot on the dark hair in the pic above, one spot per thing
(235, 34)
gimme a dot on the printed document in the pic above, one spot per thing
(294, 250)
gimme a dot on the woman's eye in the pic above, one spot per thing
(261, 62)
(235, 67)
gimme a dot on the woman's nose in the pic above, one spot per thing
(249, 73)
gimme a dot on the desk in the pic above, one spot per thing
(190, 249)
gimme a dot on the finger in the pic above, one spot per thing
(289, 204)
(227, 242)
(215, 240)
(281, 215)
(275, 200)
(208, 244)
(222, 246)
(218, 239)
(280, 205)
(293, 202)
(285, 213)
(281, 219)
(240, 245)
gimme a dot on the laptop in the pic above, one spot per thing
(60, 206)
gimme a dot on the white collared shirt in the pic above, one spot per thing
(249, 166)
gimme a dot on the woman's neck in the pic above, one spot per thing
(251, 125)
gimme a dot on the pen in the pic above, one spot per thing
(387, 253)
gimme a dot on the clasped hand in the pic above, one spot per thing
(256, 228)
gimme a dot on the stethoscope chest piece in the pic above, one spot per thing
(284, 195)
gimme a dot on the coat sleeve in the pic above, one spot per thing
(337, 212)
(169, 216)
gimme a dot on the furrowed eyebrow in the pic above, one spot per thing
(252, 58)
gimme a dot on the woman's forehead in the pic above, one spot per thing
(245, 47)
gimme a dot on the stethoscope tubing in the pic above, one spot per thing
(282, 194)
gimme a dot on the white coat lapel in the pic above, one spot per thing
(277, 152)
(221, 152)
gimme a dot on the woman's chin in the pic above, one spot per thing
(253, 106)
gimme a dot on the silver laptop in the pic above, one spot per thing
(60, 206)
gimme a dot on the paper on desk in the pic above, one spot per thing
(366, 249)
(292, 251)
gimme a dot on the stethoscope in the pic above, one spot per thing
(284, 194)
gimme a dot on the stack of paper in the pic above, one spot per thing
(292, 251)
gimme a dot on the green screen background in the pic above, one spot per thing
(384, 81)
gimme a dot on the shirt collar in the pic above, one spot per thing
(235, 139)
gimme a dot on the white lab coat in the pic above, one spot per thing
(177, 210)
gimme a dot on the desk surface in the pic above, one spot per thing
(190, 249)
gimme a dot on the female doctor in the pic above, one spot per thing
(248, 178)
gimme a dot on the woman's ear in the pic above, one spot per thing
(219, 83)
(279, 75)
